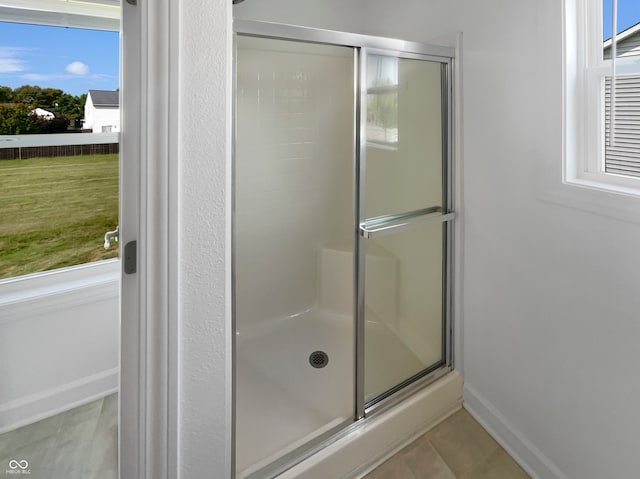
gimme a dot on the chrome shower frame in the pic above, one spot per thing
(363, 45)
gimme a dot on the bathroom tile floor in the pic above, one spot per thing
(458, 448)
(81, 443)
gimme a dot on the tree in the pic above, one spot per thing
(17, 120)
(71, 106)
(48, 98)
(26, 94)
(6, 94)
(37, 97)
(59, 124)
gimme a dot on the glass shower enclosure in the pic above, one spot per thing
(342, 234)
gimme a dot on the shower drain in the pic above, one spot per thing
(318, 359)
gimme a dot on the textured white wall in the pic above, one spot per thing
(204, 156)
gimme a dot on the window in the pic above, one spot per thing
(382, 101)
(622, 141)
(603, 144)
(59, 191)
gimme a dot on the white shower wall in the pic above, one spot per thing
(294, 172)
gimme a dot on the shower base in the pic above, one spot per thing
(283, 402)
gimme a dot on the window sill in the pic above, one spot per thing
(596, 197)
(599, 182)
(51, 290)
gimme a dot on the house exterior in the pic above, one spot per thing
(622, 156)
(627, 43)
(42, 113)
(102, 111)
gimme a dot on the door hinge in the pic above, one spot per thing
(131, 257)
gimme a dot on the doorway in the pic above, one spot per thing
(59, 292)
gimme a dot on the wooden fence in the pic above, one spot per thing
(54, 151)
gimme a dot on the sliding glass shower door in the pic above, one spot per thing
(293, 247)
(403, 215)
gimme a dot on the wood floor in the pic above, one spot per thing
(78, 444)
(458, 448)
(82, 444)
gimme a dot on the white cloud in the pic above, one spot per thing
(42, 76)
(100, 77)
(77, 68)
(11, 65)
(10, 61)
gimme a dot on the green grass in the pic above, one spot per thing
(54, 212)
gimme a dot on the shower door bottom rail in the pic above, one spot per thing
(301, 453)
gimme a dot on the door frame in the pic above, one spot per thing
(389, 223)
(148, 399)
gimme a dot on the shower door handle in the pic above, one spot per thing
(385, 225)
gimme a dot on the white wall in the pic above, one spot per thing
(294, 172)
(203, 219)
(59, 336)
(106, 117)
(89, 109)
(331, 14)
(551, 314)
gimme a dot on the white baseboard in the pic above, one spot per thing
(530, 458)
(32, 408)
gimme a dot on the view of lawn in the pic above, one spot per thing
(55, 212)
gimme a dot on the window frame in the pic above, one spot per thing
(85, 14)
(88, 15)
(585, 73)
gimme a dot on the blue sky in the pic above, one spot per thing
(70, 59)
(628, 15)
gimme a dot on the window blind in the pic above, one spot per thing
(88, 14)
(623, 155)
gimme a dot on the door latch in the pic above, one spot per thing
(131, 257)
